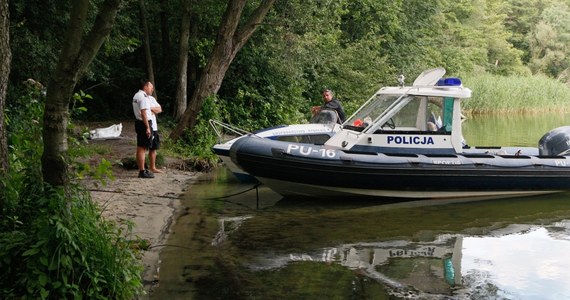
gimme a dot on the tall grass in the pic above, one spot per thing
(515, 94)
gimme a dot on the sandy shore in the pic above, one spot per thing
(150, 204)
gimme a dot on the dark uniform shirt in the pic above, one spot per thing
(335, 104)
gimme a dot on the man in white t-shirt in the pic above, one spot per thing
(155, 109)
(143, 125)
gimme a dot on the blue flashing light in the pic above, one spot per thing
(452, 81)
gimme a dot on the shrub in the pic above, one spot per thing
(53, 241)
(67, 250)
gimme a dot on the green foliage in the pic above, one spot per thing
(77, 104)
(24, 118)
(500, 57)
(36, 37)
(67, 251)
(282, 70)
(540, 29)
(523, 15)
(101, 172)
(53, 242)
(198, 143)
(260, 97)
(352, 47)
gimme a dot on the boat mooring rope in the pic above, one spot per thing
(255, 186)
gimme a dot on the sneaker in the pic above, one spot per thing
(145, 174)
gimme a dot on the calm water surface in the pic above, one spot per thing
(233, 241)
(511, 130)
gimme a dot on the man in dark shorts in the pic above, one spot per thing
(155, 109)
(143, 125)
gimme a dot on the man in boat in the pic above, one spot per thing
(330, 103)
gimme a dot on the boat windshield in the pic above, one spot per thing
(402, 113)
(373, 109)
(325, 116)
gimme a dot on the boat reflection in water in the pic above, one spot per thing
(433, 268)
(494, 259)
(519, 262)
(430, 268)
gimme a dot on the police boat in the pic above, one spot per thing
(319, 129)
(406, 142)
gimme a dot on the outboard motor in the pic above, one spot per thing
(555, 142)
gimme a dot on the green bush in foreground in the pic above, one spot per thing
(54, 244)
(67, 250)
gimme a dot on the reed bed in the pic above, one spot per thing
(493, 94)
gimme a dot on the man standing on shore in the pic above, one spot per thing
(155, 109)
(143, 125)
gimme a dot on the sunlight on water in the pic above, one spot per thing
(524, 265)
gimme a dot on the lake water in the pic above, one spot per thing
(235, 241)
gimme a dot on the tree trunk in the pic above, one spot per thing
(165, 33)
(76, 55)
(146, 43)
(194, 60)
(182, 86)
(5, 60)
(228, 43)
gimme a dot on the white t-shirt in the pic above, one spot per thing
(141, 101)
(153, 103)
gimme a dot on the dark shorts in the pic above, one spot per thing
(154, 141)
(142, 139)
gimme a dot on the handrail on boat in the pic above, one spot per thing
(215, 124)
